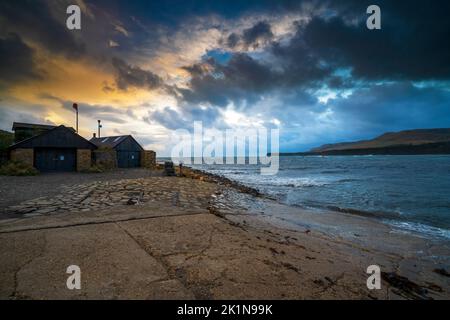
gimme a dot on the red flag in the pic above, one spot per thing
(75, 106)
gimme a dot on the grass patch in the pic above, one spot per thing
(17, 168)
(96, 168)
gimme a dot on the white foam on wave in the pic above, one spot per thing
(420, 228)
(262, 181)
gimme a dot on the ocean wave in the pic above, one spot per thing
(348, 180)
(289, 182)
(295, 168)
(265, 181)
(365, 213)
(410, 189)
(392, 218)
(333, 171)
(420, 228)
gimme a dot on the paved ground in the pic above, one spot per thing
(15, 190)
(162, 253)
(187, 239)
(107, 194)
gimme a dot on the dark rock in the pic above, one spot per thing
(405, 287)
(442, 272)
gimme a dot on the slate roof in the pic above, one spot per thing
(108, 142)
(55, 137)
(21, 125)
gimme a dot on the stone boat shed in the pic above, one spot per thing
(51, 148)
(61, 149)
(123, 152)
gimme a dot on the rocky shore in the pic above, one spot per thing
(204, 237)
(188, 172)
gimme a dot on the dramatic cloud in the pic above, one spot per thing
(309, 67)
(94, 112)
(16, 60)
(397, 52)
(34, 21)
(336, 51)
(241, 78)
(173, 119)
(252, 37)
(127, 75)
(245, 77)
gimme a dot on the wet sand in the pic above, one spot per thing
(227, 243)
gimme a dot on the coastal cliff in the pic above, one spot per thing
(409, 142)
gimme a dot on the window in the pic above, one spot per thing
(104, 140)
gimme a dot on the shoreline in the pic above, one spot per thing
(389, 219)
(199, 234)
(355, 230)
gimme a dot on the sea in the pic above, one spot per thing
(408, 192)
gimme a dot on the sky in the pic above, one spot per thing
(310, 68)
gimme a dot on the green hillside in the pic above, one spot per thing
(391, 139)
(6, 139)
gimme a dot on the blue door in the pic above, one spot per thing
(128, 159)
(55, 159)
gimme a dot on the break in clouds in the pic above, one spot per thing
(307, 67)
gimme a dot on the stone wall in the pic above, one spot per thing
(23, 155)
(106, 158)
(148, 159)
(84, 159)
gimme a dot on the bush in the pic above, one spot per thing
(96, 168)
(6, 139)
(17, 168)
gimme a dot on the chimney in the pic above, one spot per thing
(99, 127)
(94, 135)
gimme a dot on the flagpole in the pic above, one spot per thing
(75, 106)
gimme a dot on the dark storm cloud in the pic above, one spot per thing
(131, 76)
(245, 77)
(260, 31)
(332, 49)
(251, 37)
(248, 73)
(33, 20)
(412, 45)
(241, 78)
(16, 60)
(175, 12)
(168, 118)
(395, 52)
(233, 40)
(173, 119)
(202, 68)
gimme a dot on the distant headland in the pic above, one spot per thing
(408, 142)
